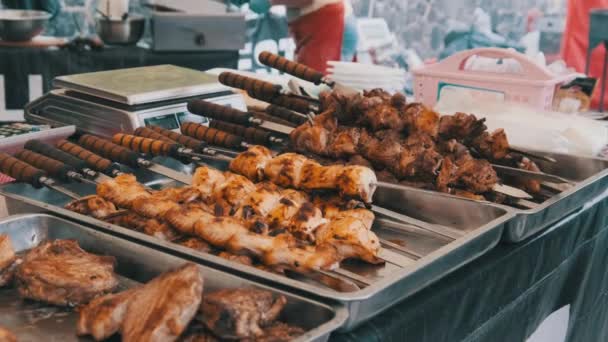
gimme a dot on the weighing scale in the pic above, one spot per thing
(107, 102)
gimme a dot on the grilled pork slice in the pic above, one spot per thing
(280, 332)
(240, 313)
(103, 316)
(7, 336)
(162, 309)
(61, 273)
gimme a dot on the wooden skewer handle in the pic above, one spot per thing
(94, 161)
(55, 168)
(290, 67)
(285, 114)
(251, 134)
(249, 84)
(194, 144)
(55, 153)
(212, 136)
(146, 132)
(219, 112)
(109, 150)
(286, 101)
(21, 171)
(145, 145)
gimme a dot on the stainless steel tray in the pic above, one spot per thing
(589, 175)
(481, 224)
(32, 321)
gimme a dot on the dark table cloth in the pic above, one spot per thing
(16, 64)
(506, 294)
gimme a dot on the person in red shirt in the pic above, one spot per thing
(576, 41)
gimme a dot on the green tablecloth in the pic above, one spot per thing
(16, 64)
(506, 294)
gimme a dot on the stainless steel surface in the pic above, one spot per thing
(121, 32)
(32, 321)
(589, 177)
(273, 126)
(481, 227)
(511, 191)
(171, 173)
(143, 85)
(511, 171)
(21, 25)
(191, 31)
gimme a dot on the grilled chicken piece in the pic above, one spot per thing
(529, 185)
(259, 202)
(206, 179)
(8, 274)
(7, 252)
(8, 260)
(240, 313)
(232, 192)
(6, 335)
(493, 146)
(103, 316)
(61, 273)
(241, 259)
(460, 126)
(345, 142)
(153, 207)
(93, 205)
(306, 138)
(422, 119)
(475, 175)
(162, 309)
(195, 243)
(150, 226)
(352, 239)
(251, 163)
(354, 181)
(286, 169)
(382, 149)
(378, 113)
(122, 190)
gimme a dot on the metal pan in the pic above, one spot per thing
(481, 225)
(589, 176)
(32, 321)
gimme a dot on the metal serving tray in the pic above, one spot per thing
(481, 224)
(32, 321)
(589, 175)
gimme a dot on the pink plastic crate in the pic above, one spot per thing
(534, 86)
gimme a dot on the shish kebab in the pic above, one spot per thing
(264, 92)
(350, 181)
(150, 226)
(305, 73)
(144, 145)
(353, 181)
(219, 112)
(243, 118)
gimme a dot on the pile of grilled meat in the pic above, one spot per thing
(261, 224)
(169, 307)
(411, 144)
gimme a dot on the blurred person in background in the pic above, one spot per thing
(350, 38)
(51, 6)
(317, 27)
(576, 41)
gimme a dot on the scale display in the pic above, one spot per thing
(168, 121)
